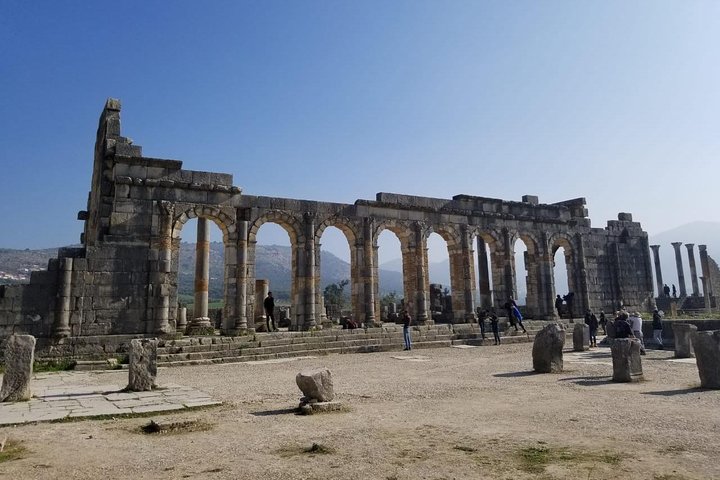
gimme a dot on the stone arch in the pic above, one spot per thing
(489, 277)
(291, 224)
(567, 242)
(452, 235)
(351, 232)
(403, 230)
(225, 222)
(404, 233)
(532, 271)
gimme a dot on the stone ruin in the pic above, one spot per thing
(123, 280)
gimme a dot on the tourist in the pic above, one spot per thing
(558, 305)
(592, 322)
(482, 314)
(407, 320)
(666, 290)
(269, 304)
(569, 303)
(603, 322)
(674, 291)
(515, 312)
(495, 328)
(508, 309)
(657, 328)
(636, 324)
(623, 329)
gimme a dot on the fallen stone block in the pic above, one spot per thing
(627, 363)
(547, 349)
(311, 408)
(316, 384)
(581, 337)
(142, 370)
(707, 354)
(19, 357)
(683, 333)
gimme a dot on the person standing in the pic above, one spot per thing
(636, 325)
(482, 314)
(666, 290)
(592, 322)
(603, 322)
(657, 328)
(558, 305)
(269, 305)
(495, 328)
(407, 321)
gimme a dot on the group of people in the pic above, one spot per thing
(630, 326)
(564, 304)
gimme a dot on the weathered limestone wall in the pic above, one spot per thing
(124, 279)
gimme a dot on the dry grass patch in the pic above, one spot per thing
(12, 450)
(534, 459)
(314, 449)
(188, 426)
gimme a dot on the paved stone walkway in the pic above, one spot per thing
(57, 402)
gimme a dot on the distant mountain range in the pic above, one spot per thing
(274, 263)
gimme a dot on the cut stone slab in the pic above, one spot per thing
(19, 357)
(547, 349)
(627, 364)
(316, 384)
(581, 337)
(142, 370)
(683, 339)
(707, 356)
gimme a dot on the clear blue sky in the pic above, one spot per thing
(615, 101)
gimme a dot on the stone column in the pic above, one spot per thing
(160, 277)
(201, 321)
(308, 273)
(658, 270)
(423, 282)
(468, 274)
(708, 306)
(693, 270)
(61, 327)
(182, 320)
(484, 273)
(262, 288)
(242, 269)
(705, 266)
(678, 263)
(508, 269)
(367, 271)
(547, 279)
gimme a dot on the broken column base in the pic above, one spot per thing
(200, 326)
(311, 406)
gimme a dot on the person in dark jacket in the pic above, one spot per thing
(269, 305)
(592, 322)
(495, 328)
(559, 305)
(515, 311)
(657, 328)
(623, 329)
(603, 322)
(482, 315)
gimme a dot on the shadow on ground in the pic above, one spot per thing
(588, 381)
(681, 391)
(282, 411)
(515, 374)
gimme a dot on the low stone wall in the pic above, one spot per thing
(668, 335)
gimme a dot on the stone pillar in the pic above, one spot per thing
(19, 355)
(242, 270)
(627, 364)
(708, 305)
(683, 339)
(182, 320)
(658, 270)
(508, 269)
(693, 270)
(705, 266)
(308, 273)
(468, 274)
(547, 279)
(678, 263)
(422, 286)
(201, 321)
(581, 337)
(164, 264)
(61, 326)
(707, 353)
(368, 256)
(142, 369)
(262, 288)
(484, 273)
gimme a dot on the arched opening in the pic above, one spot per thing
(521, 286)
(484, 280)
(441, 291)
(200, 262)
(564, 279)
(390, 278)
(274, 262)
(336, 290)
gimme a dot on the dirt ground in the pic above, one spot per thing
(450, 413)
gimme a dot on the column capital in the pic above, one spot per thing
(676, 245)
(689, 246)
(655, 247)
(702, 248)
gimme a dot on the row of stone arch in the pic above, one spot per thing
(240, 228)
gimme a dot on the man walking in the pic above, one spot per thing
(592, 322)
(636, 324)
(657, 328)
(495, 328)
(269, 304)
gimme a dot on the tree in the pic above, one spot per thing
(334, 294)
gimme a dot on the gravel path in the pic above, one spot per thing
(430, 414)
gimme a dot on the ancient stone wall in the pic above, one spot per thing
(124, 279)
